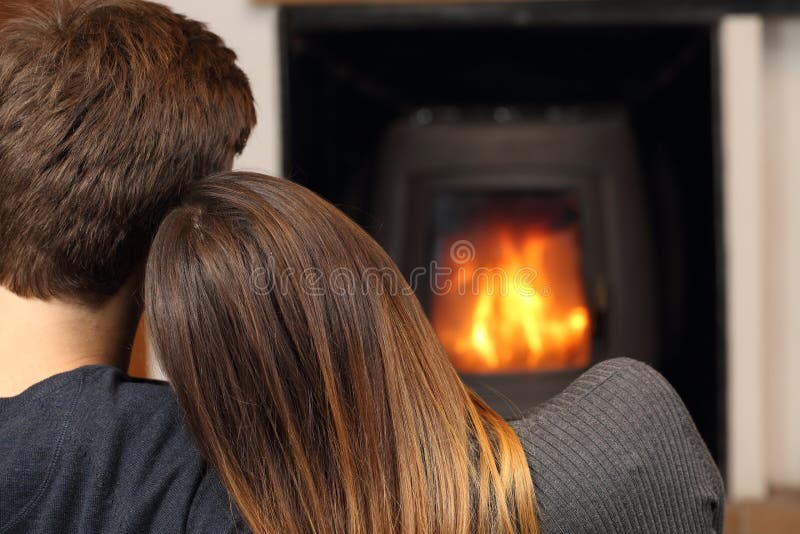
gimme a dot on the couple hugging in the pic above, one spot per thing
(287, 411)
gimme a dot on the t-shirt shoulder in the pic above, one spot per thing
(151, 437)
(104, 452)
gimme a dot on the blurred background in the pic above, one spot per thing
(642, 156)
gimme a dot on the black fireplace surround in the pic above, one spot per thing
(386, 108)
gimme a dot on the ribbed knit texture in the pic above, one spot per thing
(618, 452)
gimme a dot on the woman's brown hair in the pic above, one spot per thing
(311, 377)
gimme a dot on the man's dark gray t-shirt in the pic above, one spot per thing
(94, 450)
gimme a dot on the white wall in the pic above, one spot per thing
(251, 30)
(760, 71)
(741, 59)
(782, 239)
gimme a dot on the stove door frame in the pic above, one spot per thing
(594, 158)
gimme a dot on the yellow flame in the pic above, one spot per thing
(511, 324)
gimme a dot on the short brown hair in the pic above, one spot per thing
(108, 109)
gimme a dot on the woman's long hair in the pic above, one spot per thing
(311, 378)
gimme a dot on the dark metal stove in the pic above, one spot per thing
(484, 181)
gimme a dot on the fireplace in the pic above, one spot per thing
(545, 177)
(503, 219)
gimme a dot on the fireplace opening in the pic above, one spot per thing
(590, 132)
(515, 220)
(513, 299)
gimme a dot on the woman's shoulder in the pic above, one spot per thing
(617, 451)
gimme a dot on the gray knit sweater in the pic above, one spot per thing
(618, 452)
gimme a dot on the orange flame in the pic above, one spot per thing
(515, 303)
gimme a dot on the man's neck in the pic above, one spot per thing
(39, 339)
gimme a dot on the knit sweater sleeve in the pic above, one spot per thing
(617, 452)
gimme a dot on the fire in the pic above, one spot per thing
(515, 301)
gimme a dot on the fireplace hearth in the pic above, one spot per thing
(581, 154)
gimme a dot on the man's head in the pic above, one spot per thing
(108, 109)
